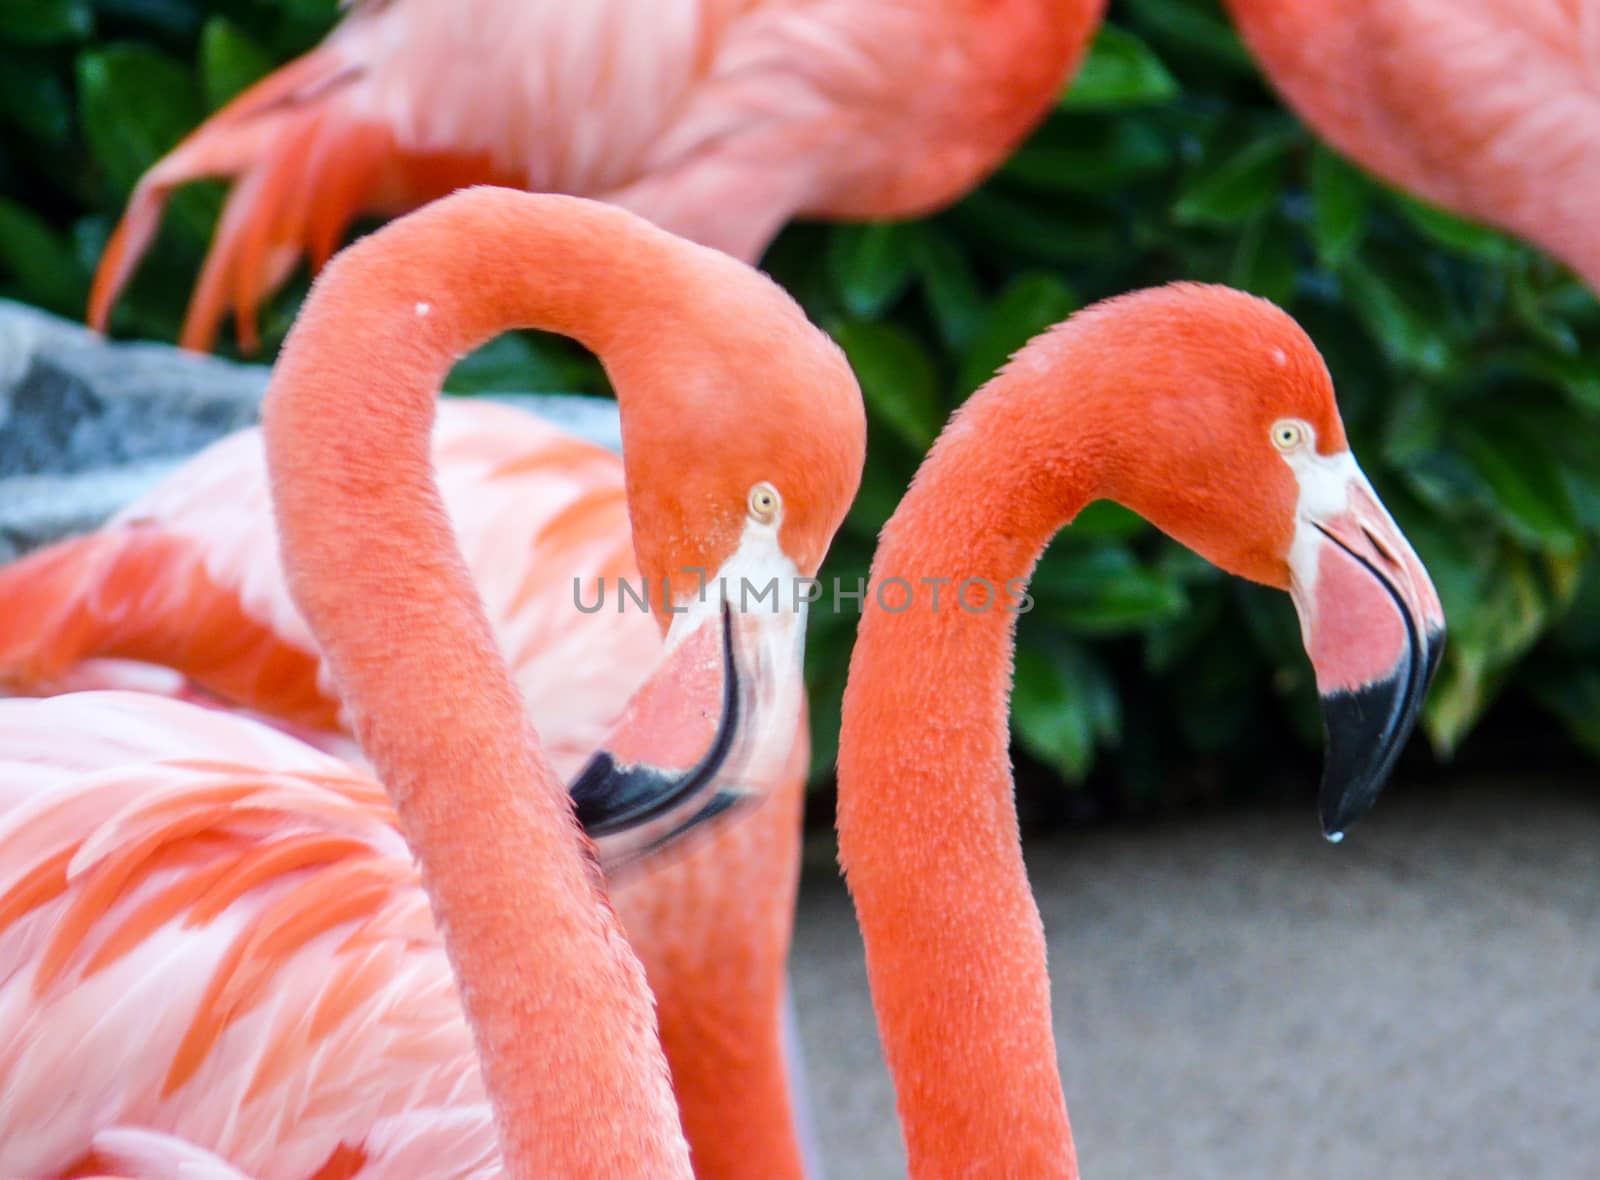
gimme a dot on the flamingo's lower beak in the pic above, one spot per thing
(1374, 629)
(700, 735)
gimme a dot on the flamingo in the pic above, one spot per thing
(718, 119)
(1489, 109)
(186, 580)
(1210, 413)
(280, 1052)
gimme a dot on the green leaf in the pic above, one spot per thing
(1525, 480)
(1573, 695)
(1398, 314)
(1166, 644)
(45, 22)
(136, 104)
(1455, 233)
(870, 265)
(229, 61)
(174, 19)
(1264, 262)
(1577, 376)
(1062, 704)
(1060, 231)
(1180, 25)
(42, 264)
(1530, 303)
(1485, 640)
(897, 379)
(1029, 304)
(951, 287)
(883, 483)
(1104, 591)
(1104, 520)
(1237, 188)
(1120, 71)
(1415, 423)
(1341, 200)
(1090, 155)
(527, 362)
(34, 97)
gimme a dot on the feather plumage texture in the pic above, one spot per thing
(1490, 109)
(188, 577)
(718, 119)
(210, 931)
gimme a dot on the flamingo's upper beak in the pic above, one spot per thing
(1373, 627)
(716, 719)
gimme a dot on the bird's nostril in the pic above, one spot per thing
(1383, 550)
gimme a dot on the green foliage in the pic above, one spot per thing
(1464, 360)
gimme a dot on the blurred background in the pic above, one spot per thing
(1166, 731)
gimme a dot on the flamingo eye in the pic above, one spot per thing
(765, 503)
(1290, 434)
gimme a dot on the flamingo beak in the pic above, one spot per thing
(1374, 629)
(702, 735)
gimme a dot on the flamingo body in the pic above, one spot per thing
(1490, 109)
(214, 932)
(718, 119)
(1210, 413)
(220, 940)
(188, 577)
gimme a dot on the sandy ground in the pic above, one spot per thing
(1234, 998)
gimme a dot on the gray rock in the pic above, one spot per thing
(88, 424)
(85, 425)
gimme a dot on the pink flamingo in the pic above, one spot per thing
(1490, 109)
(717, 119)
(1210, 413)
(255, 860)
(187, 579)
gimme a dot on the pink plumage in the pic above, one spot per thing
(211, 931)
(188, 578)
(718, 119)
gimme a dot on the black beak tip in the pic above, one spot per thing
(1351, 784)
(1365, 732)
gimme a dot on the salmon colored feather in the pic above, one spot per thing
(1490, 109)
(317, 1030)
(1174, 402)
(188, 577)
(718, 119)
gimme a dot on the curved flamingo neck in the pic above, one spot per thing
(1158, 400)
(927, 820)
(558, 1004)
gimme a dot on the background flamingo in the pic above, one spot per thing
(1491, 109)
(187, 578)
(1210, 413)
(483, 225)
(718, 119)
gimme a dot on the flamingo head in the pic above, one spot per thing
(1239, 453)
(740, 466)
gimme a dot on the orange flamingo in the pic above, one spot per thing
(187, 578)
(1210, 413)
(262, 858)
(717, 119)
(1490, 109)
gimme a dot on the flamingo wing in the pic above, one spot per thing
(718, 119)
(212, 937)
(189, 578)
(402, 103)
(1502, 105)
(1490, 109)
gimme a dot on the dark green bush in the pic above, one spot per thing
(1463, 359)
